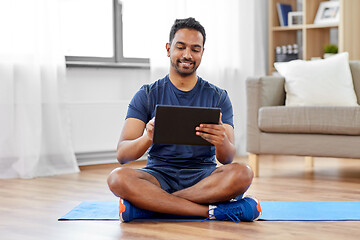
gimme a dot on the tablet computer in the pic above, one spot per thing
(176, 124)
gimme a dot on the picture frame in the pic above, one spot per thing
(295, 18)
(328, 13)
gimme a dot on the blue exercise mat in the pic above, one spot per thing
(106, 210)
(272, 211)
(310, 210)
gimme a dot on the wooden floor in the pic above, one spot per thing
(29, 209)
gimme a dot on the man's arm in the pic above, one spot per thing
(225, 152)
(222, 137)
(133, 141)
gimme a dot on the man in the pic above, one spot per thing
(182, 179)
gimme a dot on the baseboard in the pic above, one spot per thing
(99, 157)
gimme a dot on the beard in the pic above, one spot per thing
(184, 67)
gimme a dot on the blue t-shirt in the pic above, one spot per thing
(204, 94)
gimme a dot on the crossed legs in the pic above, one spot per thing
(144, 191)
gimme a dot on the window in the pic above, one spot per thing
(92, 34)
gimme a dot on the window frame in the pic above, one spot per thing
(118, 60)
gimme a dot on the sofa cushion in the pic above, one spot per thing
(326, 82)
(318, 120)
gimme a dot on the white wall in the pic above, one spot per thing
(97, 99)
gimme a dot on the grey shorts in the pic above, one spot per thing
(174, 179)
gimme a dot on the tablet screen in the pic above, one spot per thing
(176, 124)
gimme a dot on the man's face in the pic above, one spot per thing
(185, 51)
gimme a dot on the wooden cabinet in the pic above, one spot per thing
(312, 38)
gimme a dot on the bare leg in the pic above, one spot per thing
(225, 183)
(143, 191)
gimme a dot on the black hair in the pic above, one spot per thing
(190, 23)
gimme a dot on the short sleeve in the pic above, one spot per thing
(138, 107)
(226, 109)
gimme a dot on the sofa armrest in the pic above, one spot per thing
(355, 72)
(262, 91)
(269, 90)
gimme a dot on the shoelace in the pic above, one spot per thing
(231, 213)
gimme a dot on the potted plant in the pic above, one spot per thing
(329, 50)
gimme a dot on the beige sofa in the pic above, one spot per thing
(273, 128)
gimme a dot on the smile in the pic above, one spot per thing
(186, 64)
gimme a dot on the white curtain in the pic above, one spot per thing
(34, 129)
(235, 48)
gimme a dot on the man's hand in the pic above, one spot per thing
(150, 128)
(213, 133)
(222, 137)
